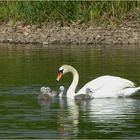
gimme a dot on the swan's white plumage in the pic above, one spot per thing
(107, 86)
(101, 87)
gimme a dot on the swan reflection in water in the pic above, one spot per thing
(100, 113)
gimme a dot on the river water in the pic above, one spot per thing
(25, 68)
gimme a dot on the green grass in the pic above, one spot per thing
(94, 12)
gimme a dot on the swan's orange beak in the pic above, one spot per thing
(59, 76)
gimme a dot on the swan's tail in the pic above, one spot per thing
(130, 92)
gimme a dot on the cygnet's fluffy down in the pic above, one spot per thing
(61, 91)
(85, 96)
(46, 93)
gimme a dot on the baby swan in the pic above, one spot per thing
(85, 96)
(45, 90)
(61, 91)
(46, 93)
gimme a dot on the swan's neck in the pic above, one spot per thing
(72, 88)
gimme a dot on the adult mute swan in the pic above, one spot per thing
(101, 87)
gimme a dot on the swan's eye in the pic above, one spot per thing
(61, 71)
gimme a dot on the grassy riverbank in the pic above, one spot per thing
(94, 12)
(70, 22)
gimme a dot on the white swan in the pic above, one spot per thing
(101, 87)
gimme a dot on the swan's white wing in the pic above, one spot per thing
(108, 84)
(129, 92)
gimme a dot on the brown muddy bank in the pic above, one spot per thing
(128, 33)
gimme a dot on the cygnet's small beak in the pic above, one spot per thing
(59, 76)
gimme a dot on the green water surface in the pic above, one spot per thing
(25, 68)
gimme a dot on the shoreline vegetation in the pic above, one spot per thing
(70, 22)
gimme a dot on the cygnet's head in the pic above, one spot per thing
(42, 89)
(48, 89)
(88, 90)
(61, 88)
(45, 89)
